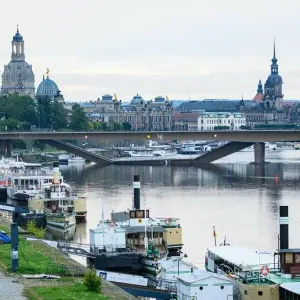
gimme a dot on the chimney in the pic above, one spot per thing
(136, 191)
(284, 227)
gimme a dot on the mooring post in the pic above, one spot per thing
(14, 247)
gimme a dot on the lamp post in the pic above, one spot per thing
(179, 259)
(18, 126)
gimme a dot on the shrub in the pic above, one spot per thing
(92, 281)
(37, 232)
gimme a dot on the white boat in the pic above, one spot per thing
(70, 158)
(58, 207)
(23, 184)
(187, 148)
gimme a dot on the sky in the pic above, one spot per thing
(181, 48)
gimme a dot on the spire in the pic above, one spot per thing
(274, 59)
(274, 66)
(17, 28)
(260, 87)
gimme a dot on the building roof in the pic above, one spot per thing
(248, 259)
(210, 105)
(47, 88)
(170, 263)
(186, 116)
(293, 287)
(258, 97)
(200, 275)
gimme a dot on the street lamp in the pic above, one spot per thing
(18, 128)
(179, 259)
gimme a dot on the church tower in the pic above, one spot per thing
(273, 87)
(18, 77)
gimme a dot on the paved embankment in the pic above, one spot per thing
(10, 288)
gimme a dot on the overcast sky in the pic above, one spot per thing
(210, 49)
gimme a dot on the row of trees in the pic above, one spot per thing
(24, 113)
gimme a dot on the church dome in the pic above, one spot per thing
(273, 79)
(17, 37)
(47, 88)
(137, 100)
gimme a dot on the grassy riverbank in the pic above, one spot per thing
(36, 257)
(75, 290)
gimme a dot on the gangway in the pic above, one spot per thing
(75, 249)
(79, 151)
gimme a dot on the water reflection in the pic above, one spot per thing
(240, 199)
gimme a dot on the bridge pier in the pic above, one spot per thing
(5, 147)
(8, 147)
(259, 153)
(2, 147)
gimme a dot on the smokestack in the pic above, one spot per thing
(136, 191)
(284, 227)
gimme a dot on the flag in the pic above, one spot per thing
(214, 233)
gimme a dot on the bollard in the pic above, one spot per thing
(14, 247)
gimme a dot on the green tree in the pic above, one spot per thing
(97, 126)
(59, 115)
(21, 108)
(79, 120)
(19, 144)
(104, 126)
(39, 144)
(117, 126)
(126, 126)
(43, 112)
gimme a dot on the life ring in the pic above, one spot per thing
(112, 223)
(168, 221)
(265, 270)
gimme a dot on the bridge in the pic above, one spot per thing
(216, 135)
(239, 140)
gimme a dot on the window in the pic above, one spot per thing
(201, 288)
(289, 258)
(222, 287)
(260, 293)
(297, 258)
(140, 214)
(246, 292)
(132, 214)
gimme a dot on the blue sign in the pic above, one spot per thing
(103, 275)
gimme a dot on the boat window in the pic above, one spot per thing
(56, 189)
(140, 214)
(297, 258)
(16, 181)
(201, 288)
(132, 214)
(22, 181)
(289, 258)
(31, 181)
(147, 213)
(260, 293)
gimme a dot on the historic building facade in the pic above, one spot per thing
(18, 77)
(141, 114)
(209, 121)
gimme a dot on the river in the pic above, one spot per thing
(241, 200)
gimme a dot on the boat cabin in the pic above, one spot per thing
(290, 262)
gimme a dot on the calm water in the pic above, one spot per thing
(241, 200)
